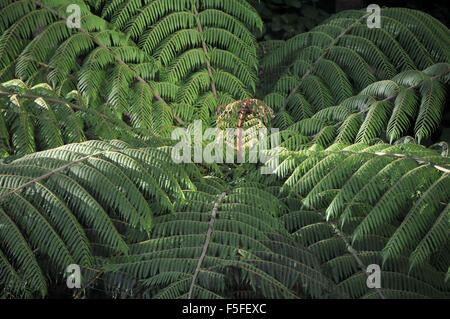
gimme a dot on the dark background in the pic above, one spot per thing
(286, 18)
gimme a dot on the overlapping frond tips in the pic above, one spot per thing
(412, 102)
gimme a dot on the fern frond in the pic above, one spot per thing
(76, 202)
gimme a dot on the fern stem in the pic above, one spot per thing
(45, 65)
(206, 244)
(349, 247)
(57, 170)
(415, 86)
(352, 251)
(417, 159)
(49, 99)
(205, 51)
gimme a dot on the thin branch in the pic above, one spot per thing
(415, 86)
(417, 159)
(205, 50)
(99, 274)
(49, 99)
(412, 87)
(207, 240)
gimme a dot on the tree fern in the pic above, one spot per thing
(332, 62)
(87, 177)
(390, 204)
(78, 201)
(180, 43)
(219, 239)
(36, 118)
(384, 109)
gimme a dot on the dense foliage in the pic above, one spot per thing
(87, 177)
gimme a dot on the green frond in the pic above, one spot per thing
(87, 174)
(389, 203)
(347, 56)
(66, 215)
(240, 244)
(430, 109)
